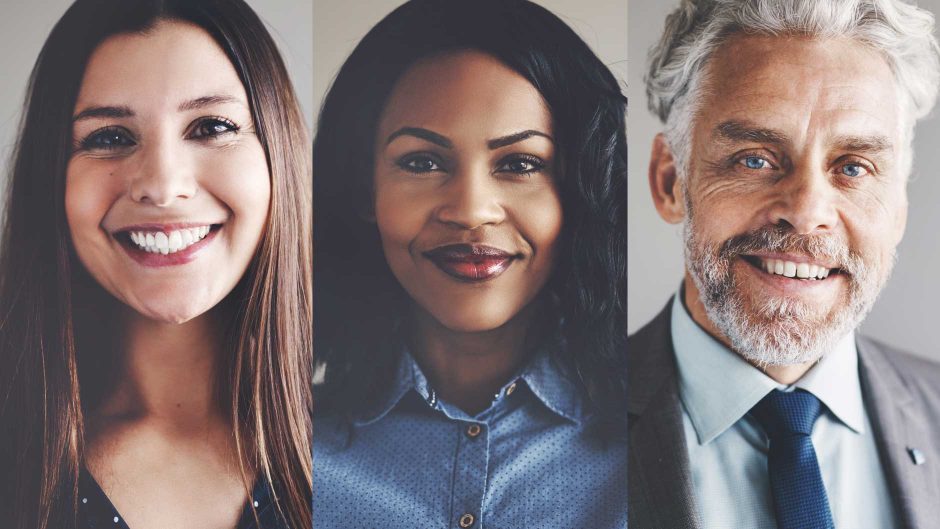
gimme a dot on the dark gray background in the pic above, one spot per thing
(904, 315)
(25, 24)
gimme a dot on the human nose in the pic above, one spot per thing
(472, 200)
(806, 200)
(163, 177)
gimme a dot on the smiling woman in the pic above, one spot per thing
(469, 308)
(155, 277)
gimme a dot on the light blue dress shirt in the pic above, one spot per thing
(728, 449)
(527, 461)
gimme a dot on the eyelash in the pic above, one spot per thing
(120, 134)
(535, 162)
(407, 163)
(740, 160)
(212, 120)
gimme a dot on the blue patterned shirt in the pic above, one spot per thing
(527, 461)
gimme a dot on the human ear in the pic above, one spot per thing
(665, 185)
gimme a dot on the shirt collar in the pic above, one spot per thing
(718, 387)
(541, 376)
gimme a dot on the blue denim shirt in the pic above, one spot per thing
(527, 461)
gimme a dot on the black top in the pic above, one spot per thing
(95, 510)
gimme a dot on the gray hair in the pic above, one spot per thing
(901, 32)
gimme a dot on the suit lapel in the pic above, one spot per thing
(898, 423)
(660, 485)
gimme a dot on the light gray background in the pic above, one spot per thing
(24, 26)
(904, 316)
(338, 25)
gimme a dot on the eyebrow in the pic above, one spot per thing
(421, 133)
(509, 139)
(864, 144)
(205, 101)
(438, 139)
(103, 112)
(126, 112)
(738, 132)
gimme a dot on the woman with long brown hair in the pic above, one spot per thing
(155, 294)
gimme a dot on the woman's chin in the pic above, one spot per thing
(472, 321)
(170, 313)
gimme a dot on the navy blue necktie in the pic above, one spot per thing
(799, 494)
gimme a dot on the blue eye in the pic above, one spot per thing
(107, 139)
(755, 162)
(211, 127)
(853, 170)
(419, 164)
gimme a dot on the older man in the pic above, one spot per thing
(753, 403)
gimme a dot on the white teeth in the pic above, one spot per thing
(163, 242)
(802, 270)
(798, 270)
(168, 242)
(176, 241)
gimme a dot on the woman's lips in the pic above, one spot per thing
(156, 259)
(470, 262)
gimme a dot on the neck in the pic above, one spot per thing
(167, 370)
(468, 368)
(783, 374)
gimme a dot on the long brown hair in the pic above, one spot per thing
(52, 314)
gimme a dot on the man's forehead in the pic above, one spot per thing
(800, 88)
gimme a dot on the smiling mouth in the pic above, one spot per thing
(802, 271)
(470, 263)
(156, 246)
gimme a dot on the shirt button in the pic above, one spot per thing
(510, 389)
(466, 520)
(472, 431)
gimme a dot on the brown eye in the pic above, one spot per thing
(212, 127)
(521, 165)
(419, 163)
(108, 139)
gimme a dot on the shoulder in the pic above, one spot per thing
(650, 361)
(919, 375)
(654, 333)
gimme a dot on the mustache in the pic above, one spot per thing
(782, 239)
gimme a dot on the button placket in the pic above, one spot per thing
(471, 469)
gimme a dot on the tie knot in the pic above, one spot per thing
(781, 413)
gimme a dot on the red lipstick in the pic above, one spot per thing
(470, 262)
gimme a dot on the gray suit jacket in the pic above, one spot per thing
(902, 397)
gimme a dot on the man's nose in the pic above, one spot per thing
(806, 199)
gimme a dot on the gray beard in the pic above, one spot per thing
(779, 331)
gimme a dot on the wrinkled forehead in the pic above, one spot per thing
(807, 89)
